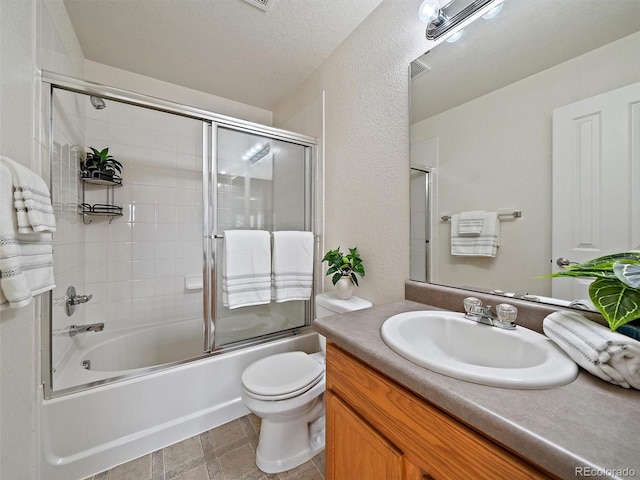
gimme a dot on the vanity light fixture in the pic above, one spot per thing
(442, 18)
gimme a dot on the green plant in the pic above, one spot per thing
(100, 160)
(615, 292)
(341, 265)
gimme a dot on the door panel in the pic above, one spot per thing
(596, 160)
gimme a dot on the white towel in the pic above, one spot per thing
(484, 245)
(608, 355)
(26, 260)
(292, 266)
(31, 199)
(470, 223)
(246, 275)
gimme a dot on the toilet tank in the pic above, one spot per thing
(328, 304)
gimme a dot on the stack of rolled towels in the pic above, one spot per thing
(611, 356)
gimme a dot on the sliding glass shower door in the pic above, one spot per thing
(130, 244)
(261, 183)
(142, 249)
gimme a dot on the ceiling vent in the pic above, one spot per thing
(418, 69)
(261, 4)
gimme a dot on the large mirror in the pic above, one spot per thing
(494, 115)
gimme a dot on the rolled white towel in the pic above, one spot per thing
(608, 355)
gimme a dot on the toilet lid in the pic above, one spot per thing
(282, 374)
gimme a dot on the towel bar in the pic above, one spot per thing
(514, 214)
(222, 236)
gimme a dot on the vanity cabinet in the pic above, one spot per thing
(377, 429)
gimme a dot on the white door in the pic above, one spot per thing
(596, 182)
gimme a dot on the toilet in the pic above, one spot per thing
(286, 390)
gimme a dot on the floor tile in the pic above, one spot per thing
(223, 453)
(306, 471)
(182, 452)
(239, 464)
(140, 469)
(198, 473)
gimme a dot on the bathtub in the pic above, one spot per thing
(118, 352)
(84, 433)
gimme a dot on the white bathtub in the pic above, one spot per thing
(116, 352)
(84, 433)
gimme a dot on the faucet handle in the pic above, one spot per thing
(470, 303)
(506, 313)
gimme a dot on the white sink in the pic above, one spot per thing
(448, 343)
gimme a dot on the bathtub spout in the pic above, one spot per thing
(92, 327)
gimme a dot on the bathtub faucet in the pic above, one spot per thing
(92, 327)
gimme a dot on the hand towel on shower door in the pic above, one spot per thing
(292, 265)
(246, 275)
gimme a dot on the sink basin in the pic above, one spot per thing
(448, 343)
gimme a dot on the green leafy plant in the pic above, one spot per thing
(100, 160)
(615, 292)
(341, 265)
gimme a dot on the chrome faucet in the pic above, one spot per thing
(91, 327)
(505, 317)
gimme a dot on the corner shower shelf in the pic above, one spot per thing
(110, 182)
(100, 209)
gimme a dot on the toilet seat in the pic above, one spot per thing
(282, 376)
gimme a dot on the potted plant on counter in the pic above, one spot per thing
(102, 166)
(615, 292)
(344, 269)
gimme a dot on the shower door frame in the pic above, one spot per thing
(211, 122)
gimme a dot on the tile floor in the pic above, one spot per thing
(223, 453)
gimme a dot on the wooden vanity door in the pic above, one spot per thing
(354, 449)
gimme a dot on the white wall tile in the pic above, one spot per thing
(119, 133)
(144, 194)
(165, 141)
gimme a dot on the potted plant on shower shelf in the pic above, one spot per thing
(100, 165)
(344, 269)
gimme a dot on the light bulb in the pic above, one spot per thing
(429, 11)
(493, 12)
(456, 36)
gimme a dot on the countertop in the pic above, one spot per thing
(588, 428)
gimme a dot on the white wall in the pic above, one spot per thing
(35, 35)
(494, 153)
(366, 142)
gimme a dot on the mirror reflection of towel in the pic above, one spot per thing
(484, 245)
(470, 223)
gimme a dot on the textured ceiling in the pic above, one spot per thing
(525, 38)
(227, 48)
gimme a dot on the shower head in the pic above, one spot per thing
(97, 102)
